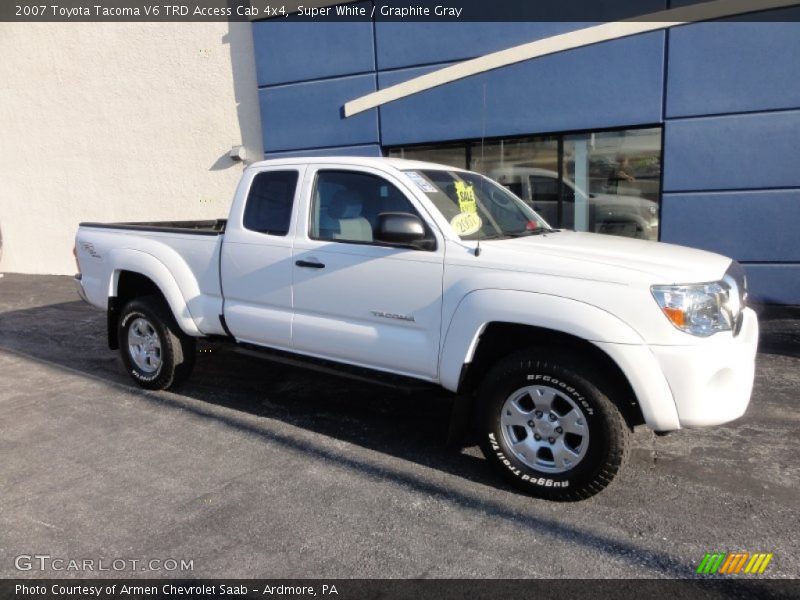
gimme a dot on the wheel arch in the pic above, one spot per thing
(490, 324)
(499, 340)
(137, 274)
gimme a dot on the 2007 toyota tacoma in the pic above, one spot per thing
(560, 342)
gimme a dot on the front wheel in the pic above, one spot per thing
(156, 353)
(548, 428)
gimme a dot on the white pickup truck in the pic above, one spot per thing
(558, 342)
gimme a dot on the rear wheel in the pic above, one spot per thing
(156, 353)
(548, 428)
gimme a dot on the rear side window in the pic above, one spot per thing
(270, 201)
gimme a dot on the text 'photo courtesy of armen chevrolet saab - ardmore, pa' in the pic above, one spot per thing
(379, 299)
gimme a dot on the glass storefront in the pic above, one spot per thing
(605, 182)
(454, 155)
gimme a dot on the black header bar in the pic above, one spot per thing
(396, 589)
(583, 11)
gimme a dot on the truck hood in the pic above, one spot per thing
(616, 258)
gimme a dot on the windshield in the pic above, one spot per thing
(476, 207)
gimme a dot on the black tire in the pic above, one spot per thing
(605, 430)
(176, 352)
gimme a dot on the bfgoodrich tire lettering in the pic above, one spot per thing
(568, 448)
(148, 322)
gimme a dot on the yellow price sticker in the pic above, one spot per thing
(466, 223)
(467, 202)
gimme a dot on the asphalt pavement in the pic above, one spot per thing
(253, 469)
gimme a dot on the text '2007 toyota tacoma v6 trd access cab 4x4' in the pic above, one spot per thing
(560, 341)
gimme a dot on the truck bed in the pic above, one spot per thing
(212, 227)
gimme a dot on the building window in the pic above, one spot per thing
(443, 154)
(605, 182)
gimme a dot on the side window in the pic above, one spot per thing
(269, 203)
(346, 205)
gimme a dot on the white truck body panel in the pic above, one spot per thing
(420, 313)
(185, 267)
(257, 280)
(335, 309)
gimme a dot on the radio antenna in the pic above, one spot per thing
(483, 125)
(483, 165)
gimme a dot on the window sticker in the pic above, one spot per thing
(421, 182)
(466, 223)
(467, 202)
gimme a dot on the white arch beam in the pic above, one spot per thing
(580, 38)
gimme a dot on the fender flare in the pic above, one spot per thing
(595, 325)
(149, 266)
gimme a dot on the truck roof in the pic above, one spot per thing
(382, 161)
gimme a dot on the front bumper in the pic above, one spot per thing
(77, 280)
(711, 381)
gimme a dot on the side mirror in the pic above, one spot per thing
(403, 229)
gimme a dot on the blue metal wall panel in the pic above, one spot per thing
(297, 51)
(608, 85)
(713, 68)
(732, 152)
(733, 67)
(309, 115)
(748, 226)
(774, 284)
(367, 150)
(445, 42)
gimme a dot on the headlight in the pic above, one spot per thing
(704, 309)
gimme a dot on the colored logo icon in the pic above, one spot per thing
(734, 563)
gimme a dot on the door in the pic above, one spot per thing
(256, 263)
(358, 300)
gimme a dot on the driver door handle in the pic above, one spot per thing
(309, 264)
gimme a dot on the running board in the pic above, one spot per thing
(329, 367)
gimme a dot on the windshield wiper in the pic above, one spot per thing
(527, 232)
(517, 234)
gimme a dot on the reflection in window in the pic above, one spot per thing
(605, 182)
(451, 156)
(528, 167)
(616, 177)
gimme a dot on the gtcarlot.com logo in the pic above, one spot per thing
(734, 563)
(45, 562)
